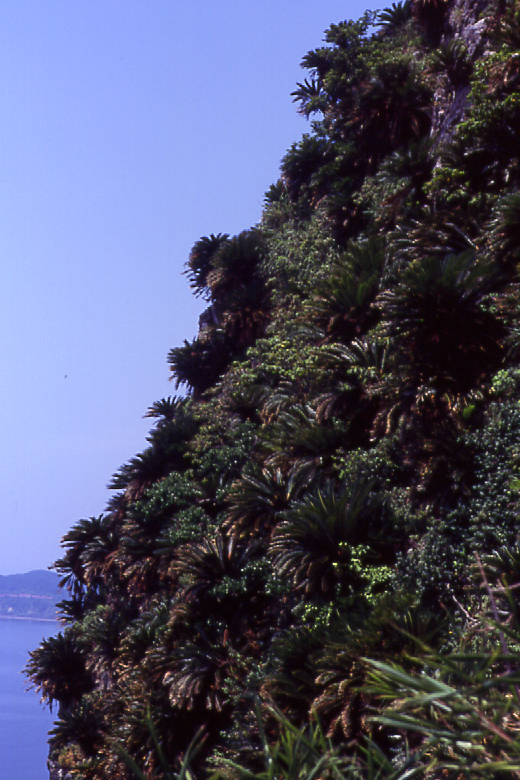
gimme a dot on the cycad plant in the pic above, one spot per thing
(393, 109)
(430, 16)
(291, 672)
(198, 675)
(336, 536)
(164, 770)
(90, 551)
(175, 427)
(203, 567)
(236, 264)
(81, 724)
(452, 58)
(436, 314)
(58, 670)
(430, 230)
(256, 500)
(302, 162)
(223, 581)
(297, 438)
(395, 17)
(199, 364)
(199, 264)
(395, 627)
(343, 302)
(246, 314)
(504, 236)
(310, 95)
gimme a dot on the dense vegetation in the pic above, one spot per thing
(312, 570)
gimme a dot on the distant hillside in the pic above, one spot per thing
(30, 595)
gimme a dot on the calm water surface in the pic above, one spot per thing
(23, 721)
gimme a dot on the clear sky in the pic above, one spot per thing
(129, 129)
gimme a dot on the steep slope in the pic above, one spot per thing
(336, 496)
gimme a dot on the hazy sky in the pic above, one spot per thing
(130, 128)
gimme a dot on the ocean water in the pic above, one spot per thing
(24, 723)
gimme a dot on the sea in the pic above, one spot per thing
(24, 722)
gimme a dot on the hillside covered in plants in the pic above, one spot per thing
(312, 570)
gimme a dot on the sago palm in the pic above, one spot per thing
(335, 536)
(437, 316)
(199, 364)
(247, 313)
(203, 567)
(504, 237)
(394, 18)
(297, 437)
(58, 670)
(310, 96)
(432, 231)
(291, 671)
(302, 162)
(86, 535)
(198, 675)
(81, 724)
(256, 500)
(452, 58)
(393, 109)
(236, 264)
(396, 628)
(343, 303)
(200, 260)
(141, 472)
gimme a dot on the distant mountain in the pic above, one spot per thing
(30, 595)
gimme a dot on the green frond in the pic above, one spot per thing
(394, 18)
(333, 537)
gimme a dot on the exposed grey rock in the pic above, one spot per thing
(209, 318)
(450, 108)
(57, 773)
(468, 21)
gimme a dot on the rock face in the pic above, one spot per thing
(55, 773)
(467, 21)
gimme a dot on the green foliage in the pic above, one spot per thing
(452, 58)
(437, 317)
(487, 519)
(299, 251)
(464, 708)
(200, 265)
(483, 144)
(328, 523)
(200, 364)
(505, 382)
(395, 17)
(58, 669)
(335, 537)
(343, 303)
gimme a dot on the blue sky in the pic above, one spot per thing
(129, 129)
